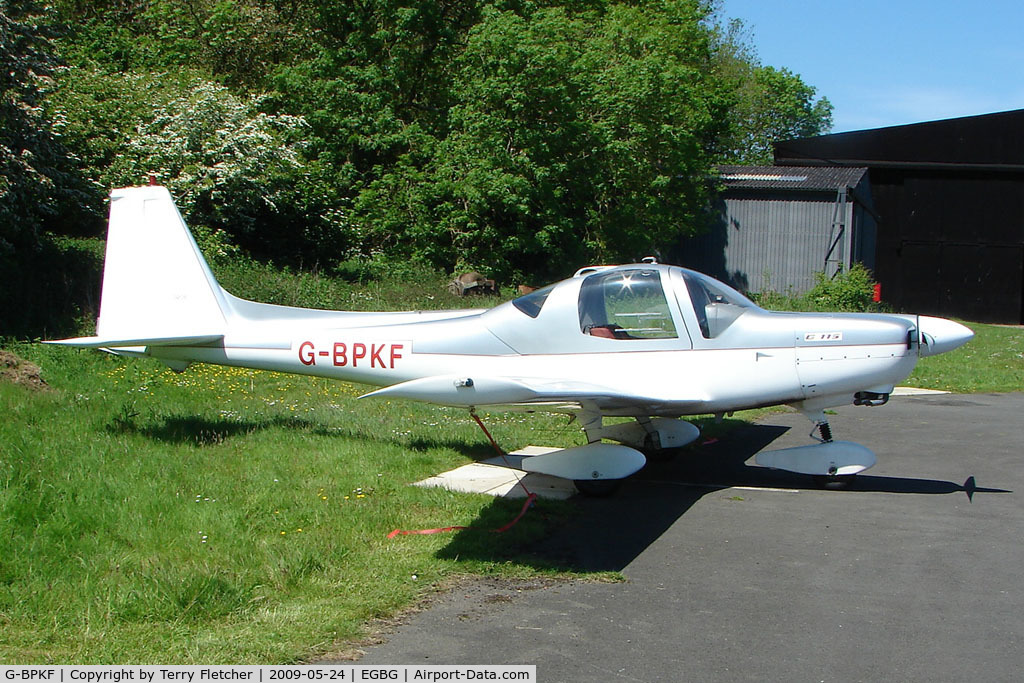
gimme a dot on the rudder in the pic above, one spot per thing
(157, 288)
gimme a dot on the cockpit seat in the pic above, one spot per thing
(608, 332)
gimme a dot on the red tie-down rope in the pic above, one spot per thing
(530, 497)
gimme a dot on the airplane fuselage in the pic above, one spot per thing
(767, 358)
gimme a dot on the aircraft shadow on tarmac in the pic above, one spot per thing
(609, 533)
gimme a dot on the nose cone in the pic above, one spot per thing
(940, 335)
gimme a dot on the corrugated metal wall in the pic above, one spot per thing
(780, 244)
(764, 243)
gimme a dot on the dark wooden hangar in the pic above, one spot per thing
(949, 200)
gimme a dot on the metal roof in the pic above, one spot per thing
(813, 178)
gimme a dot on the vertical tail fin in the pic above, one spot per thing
(157, 288)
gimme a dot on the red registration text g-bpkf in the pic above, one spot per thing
(354, 354)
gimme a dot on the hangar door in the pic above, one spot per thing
(979, 282)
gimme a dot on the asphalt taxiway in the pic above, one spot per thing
(734, 572)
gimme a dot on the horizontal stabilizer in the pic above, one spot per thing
(111, 343)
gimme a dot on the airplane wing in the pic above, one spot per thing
(461, 391)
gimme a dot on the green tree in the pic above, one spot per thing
(36, 185)
(773, 105)
(521, 136)
(376, 81)
(573, 137)
(236, 41)
(769, 104)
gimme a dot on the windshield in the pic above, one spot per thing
(717, 305)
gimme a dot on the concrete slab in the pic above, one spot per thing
(914, 391)
(503, 478)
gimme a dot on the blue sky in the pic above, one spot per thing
(891, 62)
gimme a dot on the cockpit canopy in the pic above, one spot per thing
(649, 305)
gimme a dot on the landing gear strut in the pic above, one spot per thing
(825, 430)
(593, 426)
(833, 480)
(654, 438)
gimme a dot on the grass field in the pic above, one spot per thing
(991, 362)
(229, 516)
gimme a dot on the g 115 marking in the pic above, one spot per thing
(823, 336)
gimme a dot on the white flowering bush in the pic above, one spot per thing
(232, 167)
(208, 145)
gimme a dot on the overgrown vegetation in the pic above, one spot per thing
(52, 289)
(851, 290)
(513, 137)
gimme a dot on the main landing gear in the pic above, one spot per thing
(597, 488)
(656, 438)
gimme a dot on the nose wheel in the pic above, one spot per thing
(830, 464)
(833, 481)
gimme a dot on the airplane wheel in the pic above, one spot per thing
(657, 454)
(661, 454)
(833, 482)
(597, 488)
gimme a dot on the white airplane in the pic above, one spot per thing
(646, 341)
